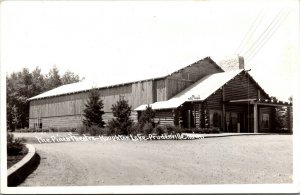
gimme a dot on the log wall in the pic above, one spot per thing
(242, 87)
(164, 117)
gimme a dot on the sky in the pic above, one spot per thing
(133, 40)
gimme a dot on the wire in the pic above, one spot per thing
(250, 32)
(265, 32)
(262, 44)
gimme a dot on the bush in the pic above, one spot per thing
(82, 130)
(14, 145)
(96, 130)
(160, 130)
(53, 129)
(114, 127)
(147, 116)
(202, 130)
(171, 129)
(135, 129)
(147, 128)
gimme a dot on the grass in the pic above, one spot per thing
(13, 159)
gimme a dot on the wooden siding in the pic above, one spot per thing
(214, 101)
(241, 87)
(176, 85)
(189, 75)
(238, 108)
(164, 117)
(161, 90)
(59, 110)
(71, 121)
(73, 104)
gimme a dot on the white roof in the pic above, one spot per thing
(80, 86)
(199, 91)
(87, 85)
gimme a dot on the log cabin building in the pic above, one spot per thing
(203, 94)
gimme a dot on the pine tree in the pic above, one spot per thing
(147, 116)
(93, 110)
(122, 123)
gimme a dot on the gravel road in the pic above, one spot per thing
(257, 159)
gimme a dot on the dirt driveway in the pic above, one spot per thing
(228, 160)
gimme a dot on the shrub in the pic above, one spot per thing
(82, 130)
(14, 145)
(160, 130)
(202, 130)
(215, 130)
(171, 129)
(135, 129)
(147, 128)
(114, 127)
(147, 116)
(96, 130)
(53, 129)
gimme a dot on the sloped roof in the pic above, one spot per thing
(79, 87)
(88, 85)
(199, 91)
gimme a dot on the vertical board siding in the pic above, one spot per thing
(189, 75)
(161, 92)
(175, 86)
(63, 111)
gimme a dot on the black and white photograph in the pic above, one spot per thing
(150, 96)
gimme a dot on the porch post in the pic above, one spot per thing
(255, 116)
(223, 111)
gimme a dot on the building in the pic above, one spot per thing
(200, 95)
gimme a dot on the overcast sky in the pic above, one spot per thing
(131, 40)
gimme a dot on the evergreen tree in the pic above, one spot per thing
(147, 116)
(93, 110)
(122, 123)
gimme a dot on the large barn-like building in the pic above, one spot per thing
(203, 94)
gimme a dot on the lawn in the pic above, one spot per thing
(256, 159)
(13, 159)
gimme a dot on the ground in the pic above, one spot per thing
(13, 159)
(256, 159)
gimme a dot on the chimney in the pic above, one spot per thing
(235, 62)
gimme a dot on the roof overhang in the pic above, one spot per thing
(265, 102)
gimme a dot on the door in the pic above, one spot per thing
(235, 122)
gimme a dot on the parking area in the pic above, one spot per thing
(255, 159)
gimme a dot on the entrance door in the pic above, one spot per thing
(235, 122)
(241, 123)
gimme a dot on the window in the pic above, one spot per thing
(265, 121)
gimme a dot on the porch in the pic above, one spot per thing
(234, 116)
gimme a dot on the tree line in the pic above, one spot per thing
(24, 84)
